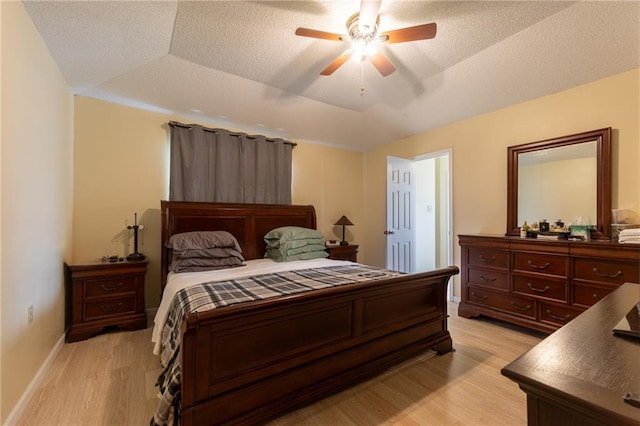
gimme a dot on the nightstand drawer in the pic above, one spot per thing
(348, 252)
(109, 307)
(104, 295)
(109, 286)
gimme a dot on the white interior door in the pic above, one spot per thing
(400, 215)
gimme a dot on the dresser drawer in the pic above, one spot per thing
(586, 295)
(109, 286)
(109, 307)
(558, 315)
(606, 271)
(480, 256)
(504, 302)
(538, 287)
(540, 263)
(488, 278)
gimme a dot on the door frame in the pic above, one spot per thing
(436, 154)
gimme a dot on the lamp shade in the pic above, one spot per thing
(343, 221)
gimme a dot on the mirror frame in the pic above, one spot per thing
(602, 137)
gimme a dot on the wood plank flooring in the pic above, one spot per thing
(109, 380)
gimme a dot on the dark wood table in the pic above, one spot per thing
(578, 375)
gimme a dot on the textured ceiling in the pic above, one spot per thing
(238, 64)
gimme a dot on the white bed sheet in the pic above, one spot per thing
(179, 281)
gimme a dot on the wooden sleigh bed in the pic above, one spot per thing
(251, 362)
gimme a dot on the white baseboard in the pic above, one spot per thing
(14, 416)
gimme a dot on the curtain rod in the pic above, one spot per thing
(207, 129)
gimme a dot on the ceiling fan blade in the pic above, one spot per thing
(368, 15)
(306, 32)
(382, 64)
(419, 32)
(337, 63)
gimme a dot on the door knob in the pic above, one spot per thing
(388, 232)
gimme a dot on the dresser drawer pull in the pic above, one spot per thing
(520, 308)
(533, 265)
(595, 297)
(538, 290)
(115, 287)
(559, 318)
(487, 259)
(612, 276)
(487, 280)
(481, 298)
(110, 307)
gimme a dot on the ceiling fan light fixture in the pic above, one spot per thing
(365, 32)
(363, 48)
(363, 36)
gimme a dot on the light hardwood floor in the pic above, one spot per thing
(109, 380)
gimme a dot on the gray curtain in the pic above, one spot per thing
(228, 167)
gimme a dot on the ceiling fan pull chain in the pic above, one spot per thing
(361, 78)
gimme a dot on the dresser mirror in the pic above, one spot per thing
(561, 178)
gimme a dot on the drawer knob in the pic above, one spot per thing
(487, 279)
(557, 317)
(533, 265)
(487, 259)
(115, 287)
(538, 290)
(595, 297)
(481, 298)
(520, 308)
(110, 307)
(610, 276)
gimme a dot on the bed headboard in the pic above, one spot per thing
(247, 222)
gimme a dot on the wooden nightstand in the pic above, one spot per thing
(106, 294)
(349, 252)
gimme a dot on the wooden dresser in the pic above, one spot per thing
(540, 284)
(106, 294)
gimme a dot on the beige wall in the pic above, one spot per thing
(121, 160)
(479, 147)
(37, 196)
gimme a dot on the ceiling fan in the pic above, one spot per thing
(362, 28)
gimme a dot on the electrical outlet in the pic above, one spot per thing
(29, 314)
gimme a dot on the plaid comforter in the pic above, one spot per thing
(203, 297)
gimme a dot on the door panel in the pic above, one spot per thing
(400, 211)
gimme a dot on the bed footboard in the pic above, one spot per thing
(252, 362)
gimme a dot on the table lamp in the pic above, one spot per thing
(135, 256)
(343, 221)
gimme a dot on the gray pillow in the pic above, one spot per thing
(195, 264)
(208, 253)
(198, 240)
